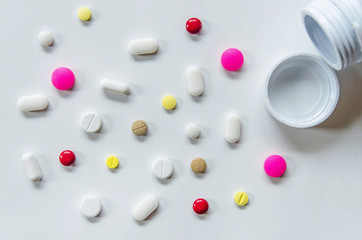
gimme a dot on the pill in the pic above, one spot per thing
(84, 13)
(139, 128)
(275, 166)
(232, 128)
(112, 162)
(163, 169)
(241, 198)
(143, 46)
(195, 84)
(145, 208)
(198, 165)
(193, 25)
(91, 122)
(67, 157)
(31, 166)
(232, 59)
(46, 38)
(193, 131)
(169, 102)
(200, 206)
(63, 78)
(32, 103)
(91, 207)
(115, 86)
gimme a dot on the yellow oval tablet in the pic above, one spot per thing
(112, 162)
(169, 102)
(84, 13)
(241, 198)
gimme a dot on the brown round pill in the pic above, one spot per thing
(198, 165)
(139, 128)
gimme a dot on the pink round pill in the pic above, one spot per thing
(232, 59)
(275, 166)
(63, 78)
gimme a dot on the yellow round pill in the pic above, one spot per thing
(169, 102)
(84, 13)
(112, 162)
(241, 198)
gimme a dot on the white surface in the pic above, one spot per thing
(144, 208)
(163, 169)
(318, 198)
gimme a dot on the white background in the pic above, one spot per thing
(320, 196)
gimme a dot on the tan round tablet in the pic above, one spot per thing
(139, 128)
(198, 165)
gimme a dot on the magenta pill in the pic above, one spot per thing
(63, 78)
(275, 166)
(232, 59)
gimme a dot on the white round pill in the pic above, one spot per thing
(91, 123)
(46, 38)
(163, 169)
(193, 131)
(91, 207)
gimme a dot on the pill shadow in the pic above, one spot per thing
(195, 37)
(278, 180)
(118, 97)
(167, 180)
(149, 217)
(38, 184)
(96, 218)
(198, 98)
(50, 48)
(195, 141)
(35, 114)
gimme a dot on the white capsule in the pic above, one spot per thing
(32, 103)
(232, 128)
(46, 38)
(91, 123)
(195, 84)
(163, 169)
(193, 131)
(143, 46)
(114, 86)
(91, 207)
(145, 208)
(31, 166)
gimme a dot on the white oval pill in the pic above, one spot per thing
(91, 123)
(143, 46)
(32, 103)
(145, 208)
(232, 128)
(46, 38)
(163, 169)
(193, 131)
(91, 207)
(31, 166)
(114, 86)
(195, 84)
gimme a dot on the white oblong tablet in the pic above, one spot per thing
(91, 207)
(232, 128)
(46, 38)
(31, 166)
(145, 208)
(91, 123)
(114, 86)
(32, 103)
(143, 46)
(163, 169)
(193, 131)
(195, 84)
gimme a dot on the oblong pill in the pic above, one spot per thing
(145, 208)
(114, 86)
(31, 166)
(232, 128)
(195, 84)
(32, 103)
(143, 46)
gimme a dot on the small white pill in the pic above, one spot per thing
(143, 46)
(193, 131)
(114, 86)
(163, 169)
(232, 128)
(31, 166)
(32, 103)
(195, 84)
(46, 38)
(91, 123)
(91, 207)
(145, 208)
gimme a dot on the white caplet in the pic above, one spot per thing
(232, 128)
(195, 84)
(115, 86)
(31, 166)
(46, 38)
(32, 103)
(145, 208)
(143, 46)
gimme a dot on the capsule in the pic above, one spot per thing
(232, 128)
(143, 46)
(32, 103)
(145, 208)
(115, 86)
(195, 84)
(31, 166)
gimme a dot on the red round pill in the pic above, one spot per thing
(193, 25)
(67, 157)
(200, 206)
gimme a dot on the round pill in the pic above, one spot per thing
(91, 207)
(198, 165)
(241, 198)
(169, 102)
(112, 162)
(232, 59)
(193, 25)
(91, 123)
(139, 128)
(200, 206)
(84, 13)
(275, 166)
(193, 131)
(46, 38)
(67, 157)
(163, 169)
(63, 78)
